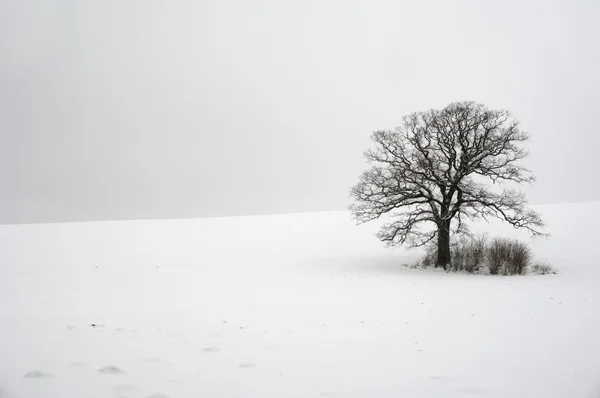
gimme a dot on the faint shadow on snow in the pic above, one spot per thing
(110, 369)
(383, 265)
(36, 374)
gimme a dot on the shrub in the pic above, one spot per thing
(430, 256)
(520, 258)
(468, 254)
(508, 257)
(496, 253)
(542, 269)
(498, 256)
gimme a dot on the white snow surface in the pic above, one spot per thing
(299, 305)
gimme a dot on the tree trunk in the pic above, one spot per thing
(443, 253)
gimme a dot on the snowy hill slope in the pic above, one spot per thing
(302, 305)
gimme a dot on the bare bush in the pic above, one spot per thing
(508, 257)
(542, 269)
(468, 254)
(520, 258)
(496, 254)
(430, 256)
(499, 256)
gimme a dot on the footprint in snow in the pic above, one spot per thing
(111, 369)
(36, 374)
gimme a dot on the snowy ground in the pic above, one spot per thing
(288, 306)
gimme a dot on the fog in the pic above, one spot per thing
(147, 109)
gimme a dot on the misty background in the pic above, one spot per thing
(165, 109)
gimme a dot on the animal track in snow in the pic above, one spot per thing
(36, 374)
(111, 369)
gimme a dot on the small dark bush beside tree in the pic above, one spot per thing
(499, 256)
(468, 254)
(508, 257)
(542, 269)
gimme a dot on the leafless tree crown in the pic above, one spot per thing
(440, 164)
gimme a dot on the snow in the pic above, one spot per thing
(298, 305)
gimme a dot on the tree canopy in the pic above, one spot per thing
(438, 166)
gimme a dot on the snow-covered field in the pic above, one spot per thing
(304, 305)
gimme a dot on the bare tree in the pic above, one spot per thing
(434, 171)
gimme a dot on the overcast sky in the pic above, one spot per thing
(121, 109)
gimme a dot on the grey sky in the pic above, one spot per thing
(140, 109)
